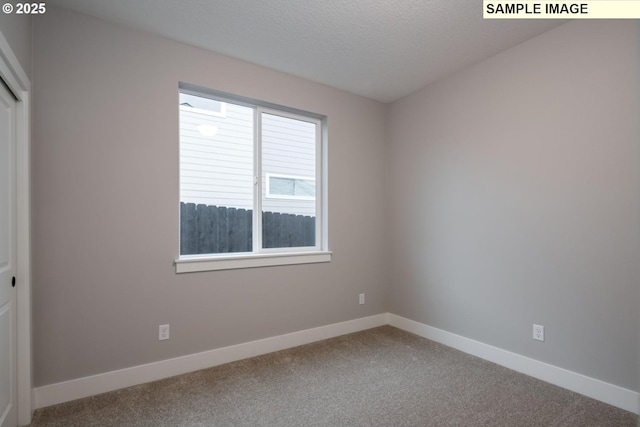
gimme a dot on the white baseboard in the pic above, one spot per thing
(109, 381)
(89, 386)
(617, 396)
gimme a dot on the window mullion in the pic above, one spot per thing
(257, 182)
(320, 199)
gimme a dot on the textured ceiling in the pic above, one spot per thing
(381, 49)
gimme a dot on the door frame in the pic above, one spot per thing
(16, 79)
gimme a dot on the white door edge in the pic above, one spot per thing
(16, 79)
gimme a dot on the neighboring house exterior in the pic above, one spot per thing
(216, 158)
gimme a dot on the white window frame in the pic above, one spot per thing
(265, 257)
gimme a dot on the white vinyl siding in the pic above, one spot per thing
(288, 150)
(217, 170)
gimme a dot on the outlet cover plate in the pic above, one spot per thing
(163, 332)
(538, 332)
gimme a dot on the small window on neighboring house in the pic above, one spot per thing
(202, 105)
(251, 177)
(288, 187)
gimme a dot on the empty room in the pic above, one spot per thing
(336, 213)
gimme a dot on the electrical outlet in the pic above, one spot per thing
(538, 332)
(163, 332)
(361, 298)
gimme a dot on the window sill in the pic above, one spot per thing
(195, 263)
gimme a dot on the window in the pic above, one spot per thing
(251, 176)
(199, 104)
(291, 187)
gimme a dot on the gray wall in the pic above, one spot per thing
(515, 192)
(17, 30)
(105, 206)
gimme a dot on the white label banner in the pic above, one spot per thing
(588, 9)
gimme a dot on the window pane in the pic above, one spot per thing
(281, 186)
(216, 177)
(288, 149)
(304, 188)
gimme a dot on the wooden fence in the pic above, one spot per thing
(215, 229)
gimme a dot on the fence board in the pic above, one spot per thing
(222, 231)
(188, 229)
(203, 226)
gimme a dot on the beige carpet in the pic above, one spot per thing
(380, 377)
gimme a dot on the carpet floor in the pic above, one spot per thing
(379, 377)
